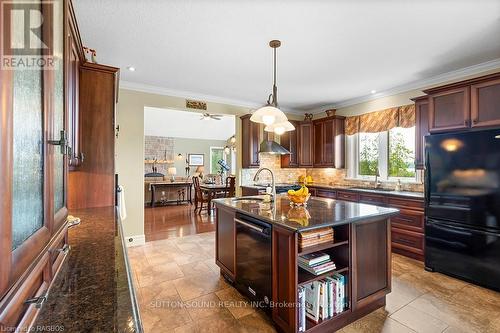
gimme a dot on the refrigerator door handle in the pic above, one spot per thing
(462, 229)
(427, 176)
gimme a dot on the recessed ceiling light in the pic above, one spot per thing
(373, 91)
(131, 68)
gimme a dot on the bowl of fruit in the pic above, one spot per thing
(299, 197)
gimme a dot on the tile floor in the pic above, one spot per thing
(179, 290)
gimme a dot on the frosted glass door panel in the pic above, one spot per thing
(27, 185)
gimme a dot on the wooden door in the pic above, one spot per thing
(339, 150)
(72, 87)
(225, 252)
(289, 140)
(93, 184)
(318, 146)
(371, 265)
(306, 144)
(449, 110)
(252, 135)
(421, 129)
(485, 103)
(328, 149)
(32, 164)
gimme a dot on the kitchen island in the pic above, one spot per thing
(361, 250)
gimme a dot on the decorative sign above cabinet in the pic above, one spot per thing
(198, 105)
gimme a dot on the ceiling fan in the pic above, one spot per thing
(208, 116)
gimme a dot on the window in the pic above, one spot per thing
(390, 153)
(402, 152)
(216, 154)
(368, 153)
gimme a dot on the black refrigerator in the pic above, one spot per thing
(462, 206)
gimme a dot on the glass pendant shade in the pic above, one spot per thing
(268, 115)
(280, 128)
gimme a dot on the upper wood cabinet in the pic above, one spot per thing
(466, 104)
(306, 152)
(289, 140)
(252, 135)
(449, 109)
(421, 129)
(485, 103)
(93, 183)
(329, 142)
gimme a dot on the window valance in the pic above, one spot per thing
(380, 121)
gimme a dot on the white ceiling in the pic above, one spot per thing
(332, 51)
(183, 124)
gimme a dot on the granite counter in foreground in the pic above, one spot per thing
(319, 212)
(93, 291)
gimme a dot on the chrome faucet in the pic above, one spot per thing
(377, 182)
(273, 188)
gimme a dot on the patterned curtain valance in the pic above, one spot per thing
(380, 121)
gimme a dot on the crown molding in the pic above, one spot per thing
(415, 85)
(128, 85)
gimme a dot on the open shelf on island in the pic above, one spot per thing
(324, 246)
(305, 277)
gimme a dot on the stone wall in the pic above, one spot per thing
(327, 176)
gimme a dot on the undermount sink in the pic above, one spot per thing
(249, 199)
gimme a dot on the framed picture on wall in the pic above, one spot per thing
(196, 159)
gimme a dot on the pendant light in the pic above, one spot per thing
(280, 128)
(270, 113)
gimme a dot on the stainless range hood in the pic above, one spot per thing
(272, 147)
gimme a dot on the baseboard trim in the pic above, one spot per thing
(136, 240)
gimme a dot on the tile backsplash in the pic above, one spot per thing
(328, 176)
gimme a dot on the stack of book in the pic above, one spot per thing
(315, 237)
(316, 263)
(322, 299)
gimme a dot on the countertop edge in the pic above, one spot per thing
(390, 212)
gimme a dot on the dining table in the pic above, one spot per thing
(212, 190)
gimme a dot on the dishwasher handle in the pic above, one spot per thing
(249, 225)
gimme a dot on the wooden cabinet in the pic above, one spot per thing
(34, 166)
(289, 140)
(466, 104)
(306, 153)
(485, 103)
(329, 142)
(251, 137)
(74, 58)
(225, 238)
(371, 262)
(449, 109)
(421, 129)
(93, 184)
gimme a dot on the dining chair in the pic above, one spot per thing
(200, 197)
(230, 190)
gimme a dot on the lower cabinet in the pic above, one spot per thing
(225, 238)
(371, 262)
(407, 228)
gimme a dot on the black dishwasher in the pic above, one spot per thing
(253, 259)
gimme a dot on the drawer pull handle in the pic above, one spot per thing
(405, 241)
(38, 301)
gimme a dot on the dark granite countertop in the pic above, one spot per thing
(320, 212)
(93, 291)
(406, 194)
